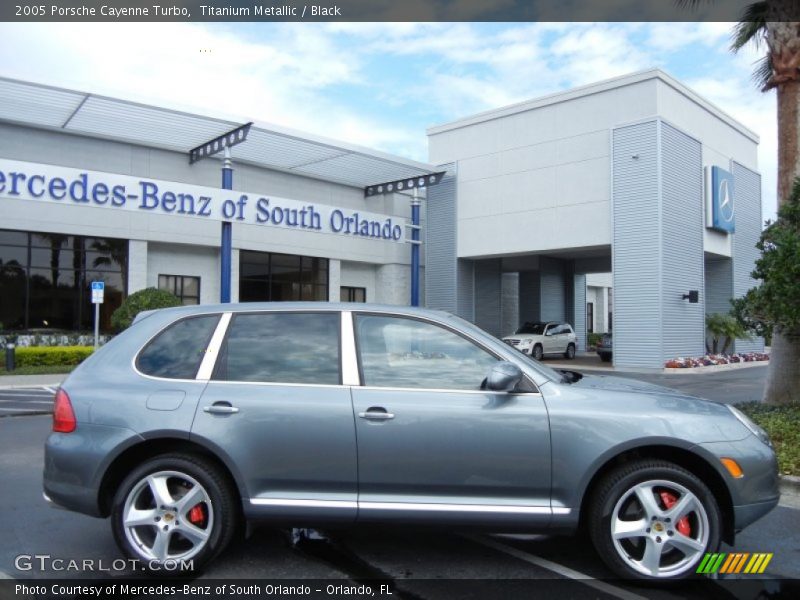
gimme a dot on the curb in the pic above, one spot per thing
(789, 484)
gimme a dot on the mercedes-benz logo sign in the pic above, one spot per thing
(725, 201)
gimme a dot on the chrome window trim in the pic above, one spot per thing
(447, 390)
(350, 374)
(277, 383)
(212, 352)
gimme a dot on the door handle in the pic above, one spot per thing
(376, 413)
(221, 408)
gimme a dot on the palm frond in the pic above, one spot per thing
(762, 73)
(691, 4)
(751, 28)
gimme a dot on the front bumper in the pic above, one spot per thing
(750, 513)
(757, 492)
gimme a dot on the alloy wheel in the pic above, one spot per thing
(660, 528)
(168, 515)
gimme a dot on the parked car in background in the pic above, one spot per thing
(198, 419)
(538, 339)
(605, 348)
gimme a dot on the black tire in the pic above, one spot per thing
(605, 357)
(217, 519)
(626, 557)
(537, 352)
(570, 353)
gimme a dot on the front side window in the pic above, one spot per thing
(176, 352)
(274, 347)
(407, 353)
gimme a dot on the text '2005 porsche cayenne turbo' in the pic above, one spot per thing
(198, 419)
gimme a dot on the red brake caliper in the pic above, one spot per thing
(682, 525)
(197, 516)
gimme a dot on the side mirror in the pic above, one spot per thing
(503, 377)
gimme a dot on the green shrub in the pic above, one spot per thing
(146, 299)
(782, 423)
(594, 338)
(51, 356)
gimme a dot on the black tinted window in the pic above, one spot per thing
(177, 351)
(281, 348)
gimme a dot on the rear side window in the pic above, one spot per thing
(176, 352)
(274, 347)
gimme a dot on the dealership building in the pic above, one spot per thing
(630, 205)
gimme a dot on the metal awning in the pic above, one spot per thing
(268, 146)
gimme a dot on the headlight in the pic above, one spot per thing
(747, 422)
(525, 342)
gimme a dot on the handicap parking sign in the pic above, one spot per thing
(98, 291)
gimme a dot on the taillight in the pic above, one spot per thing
(63, 415)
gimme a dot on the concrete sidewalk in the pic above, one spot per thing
(12, 381)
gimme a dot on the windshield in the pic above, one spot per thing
(532, 328)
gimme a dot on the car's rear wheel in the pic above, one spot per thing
(652, 519)
(570, 353)
(537, 352)
(174, 508)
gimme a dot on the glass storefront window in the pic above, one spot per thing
(271, 277)
(45, 278)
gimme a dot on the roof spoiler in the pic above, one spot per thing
(143, 315)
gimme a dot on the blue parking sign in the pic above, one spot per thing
(98, 291)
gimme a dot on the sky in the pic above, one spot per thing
(382, 85)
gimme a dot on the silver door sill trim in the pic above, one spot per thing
(478, 508)
(304, 503)
(415, 506)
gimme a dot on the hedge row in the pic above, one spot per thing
(52, 356)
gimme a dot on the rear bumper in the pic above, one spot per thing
(74, 464)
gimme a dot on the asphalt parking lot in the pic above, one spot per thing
(415, 564)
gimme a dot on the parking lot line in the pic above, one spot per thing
(16, 409)
(601, 586)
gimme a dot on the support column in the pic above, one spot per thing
(579, 311)
(334, 280)
(553, 286)
(510, 305)
(488, 295)
(137, 265)
(530, 301)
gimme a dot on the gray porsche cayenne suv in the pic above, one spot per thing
(198, 419)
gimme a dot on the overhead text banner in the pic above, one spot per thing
(384, 10)
(33, 182)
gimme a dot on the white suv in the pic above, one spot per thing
(538, 339)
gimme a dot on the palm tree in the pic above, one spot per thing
(116, 252)
(767, 25)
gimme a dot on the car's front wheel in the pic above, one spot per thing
(537, 352)
(570, 353)
(652, 519)
(174, 508)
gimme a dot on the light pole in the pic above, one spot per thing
(401, 185)
(223, 143)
